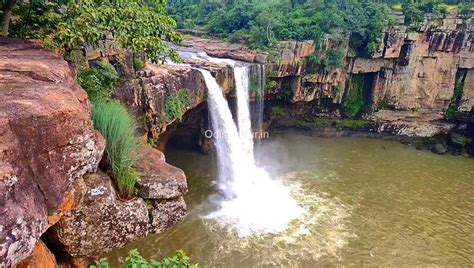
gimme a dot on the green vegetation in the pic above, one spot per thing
(135, 260)
(459, 139)
(99, 81)
(354, 101)
(452, 110)
(176, 105)
(277, 110)
(140, 26)
(325, 122)
(118, 128)
(138, 64)
(257, 89)
(261, 24)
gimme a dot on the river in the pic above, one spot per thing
(366, 202)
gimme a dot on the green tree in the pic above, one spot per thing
(138, 26)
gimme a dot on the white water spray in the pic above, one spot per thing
(253, 202)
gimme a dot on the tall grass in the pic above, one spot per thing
(117, 126)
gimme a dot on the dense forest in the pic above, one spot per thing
(261, 24)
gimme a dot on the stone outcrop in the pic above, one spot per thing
(47, 142)
(163, 186)
(147, 94)
(158, 179)
(215, 48)
(101, 221)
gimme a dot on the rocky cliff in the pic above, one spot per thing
(53, 198)
(407, 85)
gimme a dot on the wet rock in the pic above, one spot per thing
(439, 148)
(166, 213)
(101, 221)
(158, 179)
(47, 142)
(41, 257)
(411, 124)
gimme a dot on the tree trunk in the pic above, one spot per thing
(7, 13)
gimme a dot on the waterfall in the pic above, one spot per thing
(252, 201)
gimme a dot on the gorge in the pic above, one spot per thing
(300, 149)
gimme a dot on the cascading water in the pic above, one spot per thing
(253, 202)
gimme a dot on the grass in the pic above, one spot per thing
(118, 128)
(176, 105)
(326, 122)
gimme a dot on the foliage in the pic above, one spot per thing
(138, 64)
(138, 26)
(257, 89)
(460, 140)
(262, 23)
(118, 128)
(35, 20)
(334, 59)
(98, 81)
(277, 110)
(354, 101)
(135, 260)
(325, 122)
(271, 85)
(175, 105)
(452, 110)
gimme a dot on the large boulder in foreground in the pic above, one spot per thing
(100, 222)
(163, 186)
(47, 142)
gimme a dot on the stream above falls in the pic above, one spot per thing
(366, 202)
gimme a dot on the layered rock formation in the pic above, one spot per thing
(147, 94)
(47, 142)
(49, 184)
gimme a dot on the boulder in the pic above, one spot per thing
(158, 179)
(47, 142)
(100, 222)
(41, 257)
(166, 213)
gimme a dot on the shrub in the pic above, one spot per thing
(118, 128)
(354, 101)
(98, 82)
(138, 64)
(135, 260)
(175, 105)
(277, 110)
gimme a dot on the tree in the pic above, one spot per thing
(139, 26)
(7, 9)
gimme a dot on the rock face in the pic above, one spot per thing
(158, 179)
(100, 222)
(147, 94)
(41, 257)
(47, 142)
(163, 186)
(215, 48)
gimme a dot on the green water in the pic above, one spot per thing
(368, 202)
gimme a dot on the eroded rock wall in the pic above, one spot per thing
(47, 142)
